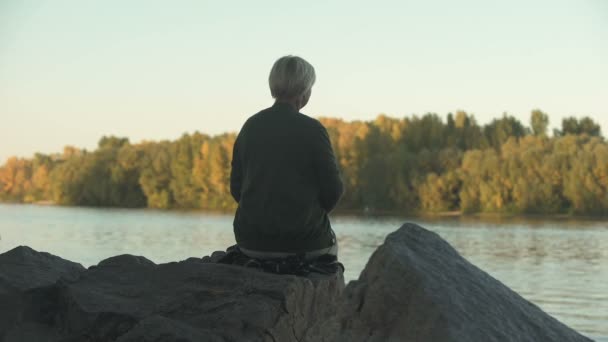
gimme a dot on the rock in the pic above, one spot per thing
(214, 257)
(416, 287)
(126, 260)
(23, 269)
(129, 298)
(159, 328)
(31, 332)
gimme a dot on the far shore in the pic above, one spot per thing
(449, 215)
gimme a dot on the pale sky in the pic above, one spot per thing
(72, 71)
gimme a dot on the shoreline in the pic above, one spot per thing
(449, 215)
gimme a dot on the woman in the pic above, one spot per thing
(284, 174)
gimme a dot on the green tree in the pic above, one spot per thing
(586, 125)
(539, 122)
(500, 130)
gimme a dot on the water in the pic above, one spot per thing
(562, 266)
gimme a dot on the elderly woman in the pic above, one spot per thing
(284, 173)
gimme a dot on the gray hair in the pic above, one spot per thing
(291, 76)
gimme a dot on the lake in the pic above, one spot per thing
(560, 265)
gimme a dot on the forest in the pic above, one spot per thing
(416, 164)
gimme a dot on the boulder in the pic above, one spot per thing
(416, 287)
(129, 298)
(23, 269)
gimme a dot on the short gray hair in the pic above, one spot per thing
(291, 76)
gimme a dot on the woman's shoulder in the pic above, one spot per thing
(261, 119)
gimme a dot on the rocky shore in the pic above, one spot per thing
(415, 287)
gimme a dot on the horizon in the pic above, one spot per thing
(72, 72)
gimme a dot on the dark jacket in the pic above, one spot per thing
(286, 180)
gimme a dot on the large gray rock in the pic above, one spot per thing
(23, 269)
(129, 298)
(416, 287)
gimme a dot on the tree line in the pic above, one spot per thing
(411, 164)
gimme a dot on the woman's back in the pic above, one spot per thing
(286, 180)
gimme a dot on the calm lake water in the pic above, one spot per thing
(560, 265)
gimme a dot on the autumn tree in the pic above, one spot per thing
(417, 163)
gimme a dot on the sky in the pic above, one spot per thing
(72, 71)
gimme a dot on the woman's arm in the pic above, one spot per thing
(236, 173)
(328, 173)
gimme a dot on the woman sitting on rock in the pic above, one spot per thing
(284, 174)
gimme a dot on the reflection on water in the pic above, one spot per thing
(562, 266)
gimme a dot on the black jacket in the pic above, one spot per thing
(286, 180)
